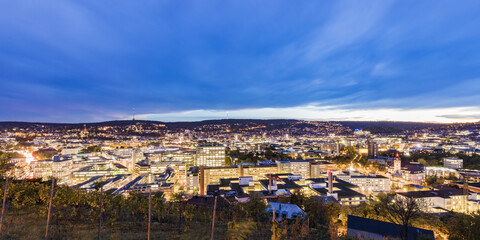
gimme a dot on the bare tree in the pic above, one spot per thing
(399, 210)
(5, 167)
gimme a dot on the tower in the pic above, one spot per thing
(372, 149)
(397, 164)
(330, 181)
(133, 114)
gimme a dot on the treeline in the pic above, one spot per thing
(384, 130)
(43, 154)
(7, 155)
(75, 215)
(91, 149)
(254, 157)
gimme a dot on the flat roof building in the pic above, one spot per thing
(210, 155)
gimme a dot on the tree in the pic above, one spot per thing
(5, 166)
(240, 229)
(228, 160)
(430, 180)
(7, 155)
(320, 216)
(462, 226)
(433, 181)
(42, 154)
(90, 149)
(398, 210)
(255, 208)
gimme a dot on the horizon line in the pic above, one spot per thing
(230, 119)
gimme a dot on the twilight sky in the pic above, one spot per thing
(81, 61)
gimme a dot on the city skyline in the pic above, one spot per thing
(345, 60)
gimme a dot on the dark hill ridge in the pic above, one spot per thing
(75, 125)
(389, 125)
(279, 123)
(269, 123)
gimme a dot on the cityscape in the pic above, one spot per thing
(211, 120)
(274, 163)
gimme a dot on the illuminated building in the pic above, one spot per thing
(137, 155)
(70, 151)
(441, 172)
(187, 157)
(42, 169)
(148, 167)
(57, 168)
(212, 175)
(438, 201)
(300, 167)
(102, 169)
(319, 168)
(413, 172)
(367, 183)
(192, 179)
(372, 149)
(397, 165)
(345, 193)
(210, 155)
(451, 162)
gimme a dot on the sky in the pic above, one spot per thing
(85, 61)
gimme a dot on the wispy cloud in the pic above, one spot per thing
(98, 60)
(328, 113)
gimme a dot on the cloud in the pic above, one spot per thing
(350, 22)
(98, 60)
(326, 113)
(462, 117)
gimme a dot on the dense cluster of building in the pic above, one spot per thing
(200, 161)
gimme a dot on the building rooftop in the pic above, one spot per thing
(436, 193)
(386, 229)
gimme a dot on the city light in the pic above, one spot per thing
(240, 119)
(29, 156)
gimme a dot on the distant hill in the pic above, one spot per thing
(391, 126)
(12, 124)
(373, 126)
(277, 123)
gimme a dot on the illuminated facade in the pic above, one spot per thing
(300, 167)
(367, 183)
(440, 200)
(210, 155)
(454, 163)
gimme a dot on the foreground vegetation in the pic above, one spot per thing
(75, 215)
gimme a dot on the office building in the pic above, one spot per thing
(367, 183)
(210, 155)
(296, 167)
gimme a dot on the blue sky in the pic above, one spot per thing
(78, 61)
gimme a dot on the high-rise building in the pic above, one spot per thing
(137, 155)
(210, 155)
(372, 149)
(397, 164)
